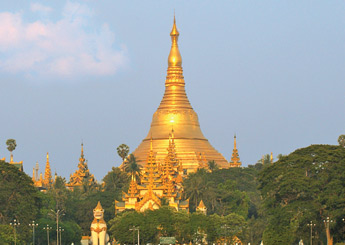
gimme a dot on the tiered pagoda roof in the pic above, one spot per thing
(156, 182)
(235, 157)
(81, 174)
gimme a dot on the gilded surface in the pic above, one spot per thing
(175, 111)
(156, 181)
(81, 174)
(235, 157)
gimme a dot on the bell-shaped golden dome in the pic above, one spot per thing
(175, 111)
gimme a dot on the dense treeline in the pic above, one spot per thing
(307, 185)
(269, 202)
(20, 200)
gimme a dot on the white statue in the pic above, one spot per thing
(99, 227)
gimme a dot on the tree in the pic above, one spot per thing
(6, 234)
(341, 140)
(265, 160)
(122, 151)
(19, 199)
(131, 166)
(11, 145)
(194, 187)
(305, 186)
(212, 165)
(115, 182)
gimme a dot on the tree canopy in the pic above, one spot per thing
(11, 144)
(19, 199)
(307, 185)
(122, 151)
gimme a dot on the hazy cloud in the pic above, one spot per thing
(37, 7)
(69, 46)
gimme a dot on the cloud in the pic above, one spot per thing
(72, 45)
(36, 7)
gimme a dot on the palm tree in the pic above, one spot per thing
(11, 145)
(131, 166)
(122, 151)
(212, 165)
(195, 187)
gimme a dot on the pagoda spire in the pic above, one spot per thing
(47, 172)
(82, 150)
(174, 59)
(175, 109)
(235, 157)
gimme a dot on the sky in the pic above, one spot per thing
(271, 72)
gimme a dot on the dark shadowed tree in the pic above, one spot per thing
(19, 199)
(122, 151)
(341, 140)
(11, 145)
(212, 165)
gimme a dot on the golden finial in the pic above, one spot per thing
(47, 157)
(99, 206)
(235, 141)
(271, 157)
(82, 150)
(174, 58)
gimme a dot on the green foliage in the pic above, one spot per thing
(341, 140)
(131, 166)
(19, 199)
(11, 144)
(115, 182)
(212, 165)
(223, 191)
(122, 151)
(306, 185)
(6, 234)
(166, 222)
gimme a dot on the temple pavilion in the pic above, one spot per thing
(175, 111)
(82, 174)
(158, 182)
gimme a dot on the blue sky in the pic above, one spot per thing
(93, 71)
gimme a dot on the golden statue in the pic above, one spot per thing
(98, 226)
(175, 112)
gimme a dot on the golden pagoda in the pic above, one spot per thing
(175, 111)
(235, 157)
(81, 174)
(157, 181)
(41, 182)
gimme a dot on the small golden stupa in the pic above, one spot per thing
(175, 112)
(41, 182)
(235, 157)
(82, 174)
